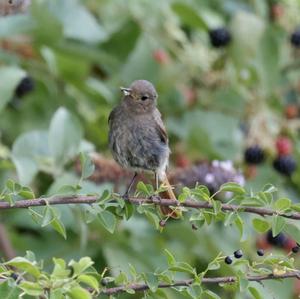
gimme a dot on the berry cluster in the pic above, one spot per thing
(280, 241)
(238, 254)
(25, 86)
(284, 162)
(295, 38)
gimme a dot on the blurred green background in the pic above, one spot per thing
(215, 101)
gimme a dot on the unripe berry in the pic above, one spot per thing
(284, 146)
(161, 56)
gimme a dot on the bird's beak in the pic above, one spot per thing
(126, 91)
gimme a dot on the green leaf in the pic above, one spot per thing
(151, 280)
(296, 207)
(87, 165)
(10, 78)
(170, 258)
(79, 293)
(214, 265)
(240, 225)
(59, 270)
(65, 134)
(268, 59)
(254, 292)
(260, 225)
(210, 295)
(123, 41)
(282, 204)
(83, 264)
(48, 216)
(78, 22)
(26, 193)
(121, 279)
(31, 288)
(233, 187)
(182, 267)
(108, 220)
(24, 264)
(15, 24)
(293, 231)
(153, 218)
(278, 224)
(28, 152)
(144, 189)
(59, 227)
(7, 291)
(89, 280)
(189, 16)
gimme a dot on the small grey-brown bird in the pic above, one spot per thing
(137, 136)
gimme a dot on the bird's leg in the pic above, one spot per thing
(156, 180)
(156, 196)
(126, 194)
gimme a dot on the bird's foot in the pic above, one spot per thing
(155, 197)
(125, 196)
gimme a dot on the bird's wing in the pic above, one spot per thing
(160, 128)
(111, 115)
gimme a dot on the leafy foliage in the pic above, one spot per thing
(215, 102)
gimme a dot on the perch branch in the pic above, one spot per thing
(89, 199)
(206, 280)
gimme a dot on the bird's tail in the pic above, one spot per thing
(169, 194)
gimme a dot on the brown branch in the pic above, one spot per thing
(89, 199)
(206, 280)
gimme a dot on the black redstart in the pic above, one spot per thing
(137, 136)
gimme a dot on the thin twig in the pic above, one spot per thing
(89, 199)
(206, 280)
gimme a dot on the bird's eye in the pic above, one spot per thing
(144, 98)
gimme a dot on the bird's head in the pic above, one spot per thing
(140, 96)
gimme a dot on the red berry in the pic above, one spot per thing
(161, 56)
(284, 146)
(291, 111)
(297, 287)
(262, 243)
(190, 95)
(250, 171)
(162, 223)
(277, 11)
(289, 245)
(182, 160)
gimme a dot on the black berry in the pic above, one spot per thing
(104, 281)
(14, 276)
(25, 86)
(254, 155)
(278, 240)
(238, 254)
(285, 165)
(219, 37)
(194, 226)
(295, 38)
(260, 252)
(228, 260)
(295, 249)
